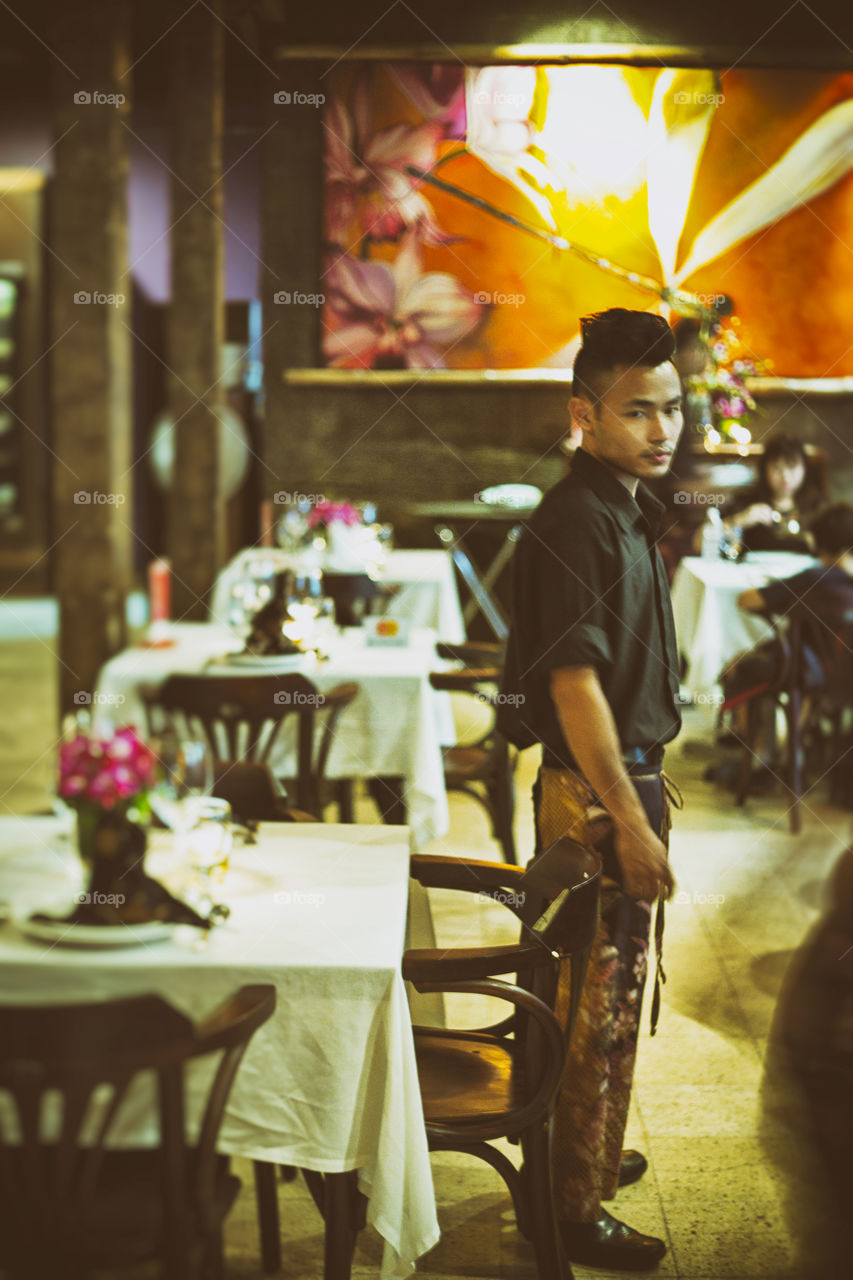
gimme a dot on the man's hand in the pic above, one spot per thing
(590, 730)
(642, 857)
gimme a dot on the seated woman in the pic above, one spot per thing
(774, 514)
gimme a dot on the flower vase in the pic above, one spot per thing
(112, 848)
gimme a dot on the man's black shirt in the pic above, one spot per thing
(590, 589)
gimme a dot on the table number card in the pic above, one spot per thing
(386, 631)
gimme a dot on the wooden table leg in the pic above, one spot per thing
(342, 1224)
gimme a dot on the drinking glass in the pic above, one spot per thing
(303, 611)
(186, 776)
(208, 842)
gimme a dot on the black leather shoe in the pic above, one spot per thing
(611, 1245)
(634, 1165)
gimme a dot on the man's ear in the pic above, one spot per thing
(582, 413)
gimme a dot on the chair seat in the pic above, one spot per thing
(466, 764)
(125, 1223)
(464, 1077)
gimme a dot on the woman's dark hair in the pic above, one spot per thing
(618, 338)
(832, 528)
(785, 447)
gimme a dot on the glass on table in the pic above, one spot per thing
(207, 843)
(302, 611)
(250, 593)
(186, 776)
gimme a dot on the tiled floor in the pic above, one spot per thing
(732, 1184)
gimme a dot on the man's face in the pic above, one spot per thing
(635, 426)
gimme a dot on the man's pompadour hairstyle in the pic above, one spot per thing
(618, 337)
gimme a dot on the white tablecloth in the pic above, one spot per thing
(427, 595)
(395, 726)
(330, 1082)
(709, 626)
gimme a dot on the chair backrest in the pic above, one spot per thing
(56, 1063)
(241, 716)
(558, 907)
(823, 621)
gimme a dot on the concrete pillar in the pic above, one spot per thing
(196, 315)
(90, 355)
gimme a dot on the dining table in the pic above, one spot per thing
(422, 584)
(330, 1082)
(395, 727)
(710, 628)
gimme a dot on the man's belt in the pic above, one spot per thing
(640, 759)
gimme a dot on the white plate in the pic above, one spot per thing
(277, 661)
(60, 933)
(511, 495)
(779, 559)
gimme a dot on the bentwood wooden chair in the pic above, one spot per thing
(482, 765)
(241, 717)
(815, 715)
(814, 710)
(502, 1080)
(69, 1205)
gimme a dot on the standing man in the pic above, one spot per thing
(592, 663)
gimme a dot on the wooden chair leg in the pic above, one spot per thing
(795, 760)
(266, 1198)
(343, 799)
(213, 1263)
(551, 1263)
(502, 797)
(753, 724)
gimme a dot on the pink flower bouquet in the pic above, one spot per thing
(106, 773)
(326, 513)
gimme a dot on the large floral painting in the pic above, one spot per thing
(654, 184)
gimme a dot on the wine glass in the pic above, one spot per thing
(186, 775)
(302, 611)
(207, 844)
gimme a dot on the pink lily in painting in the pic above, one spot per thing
(392, 316)
(437, 89)
(367, 175)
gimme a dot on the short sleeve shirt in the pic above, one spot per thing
(590, 589)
